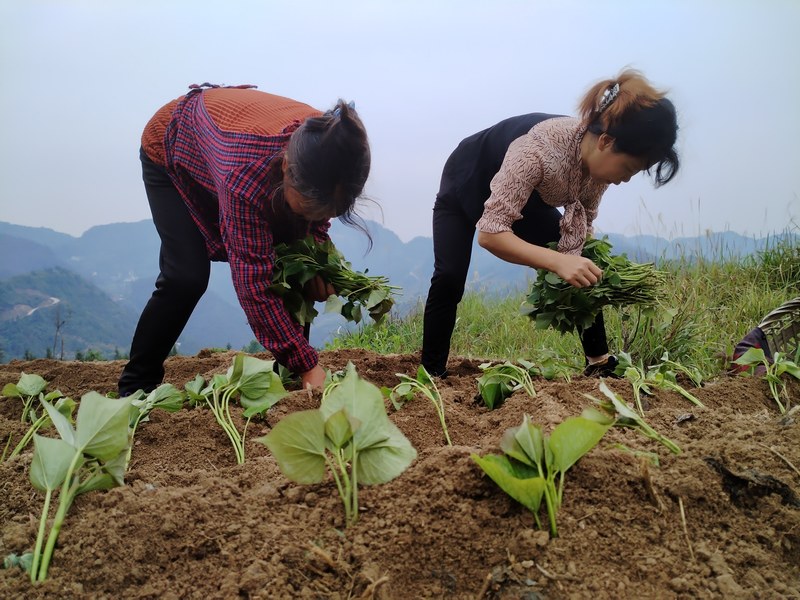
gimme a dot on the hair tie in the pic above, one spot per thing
(608, 97)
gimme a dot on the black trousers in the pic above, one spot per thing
(453, 233)
(184, 271)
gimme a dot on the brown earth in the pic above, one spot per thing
(190, 523)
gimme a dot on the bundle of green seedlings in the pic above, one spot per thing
(552, 302)
(350, 434)
(533, 465)
(409, 386)
(298, 262)
(256, 383)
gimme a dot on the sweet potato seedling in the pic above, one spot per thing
(615, 410)
(27, 389)
(89, 457)
(259, 387)
(166, 397)
(499, 381)
(409, 386)
(658, 376)
(534, 465)
(64, 405)
(350, 434)
(780, 364)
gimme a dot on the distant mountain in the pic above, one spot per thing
(119, 262)
(31, 305)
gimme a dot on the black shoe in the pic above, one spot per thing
(440, 373)
(602, 369)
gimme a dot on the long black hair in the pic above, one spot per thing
(328, 162)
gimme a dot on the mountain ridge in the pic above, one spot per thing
(121, 261)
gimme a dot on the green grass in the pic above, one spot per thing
(706, 308)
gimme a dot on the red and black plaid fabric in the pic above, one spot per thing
(229, 179)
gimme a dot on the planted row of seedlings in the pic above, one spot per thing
(350, 434)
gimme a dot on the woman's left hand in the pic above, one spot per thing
(318, 290)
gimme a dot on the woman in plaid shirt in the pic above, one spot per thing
(229, 172)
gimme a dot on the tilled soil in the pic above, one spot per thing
(720, 520)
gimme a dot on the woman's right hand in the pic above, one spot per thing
(578, 271)
(313, 378)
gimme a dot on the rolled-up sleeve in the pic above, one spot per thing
(520, 172)
(248, 239)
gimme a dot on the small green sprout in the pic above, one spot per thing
(409, 386)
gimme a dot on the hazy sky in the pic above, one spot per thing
(79, 79)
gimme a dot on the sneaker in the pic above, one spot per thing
(602, 369)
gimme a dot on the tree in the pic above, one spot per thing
(253, 347)
(59, 322)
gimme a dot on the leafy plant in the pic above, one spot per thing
(89, 457)
(409, 386)
(166, 397)
(552, 302)
(615, 410)
(659, 376)
(350, 434)
(66, 406)
(773, 370)
(27, 389)
(257, 385)
(499, 381)
(300, 261)
(550, 365)
(534, 465)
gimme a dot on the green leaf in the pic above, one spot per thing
(362, 400)
(573, 438)
(102, 429)
(61, 423)
(334, 304)
(30, 385)
(194, 388)
(50, 464)
(527, 490)
(339, 429)
(259, 383)
(10, 390)
(385, 460)
(298, 444)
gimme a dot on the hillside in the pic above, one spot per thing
(120, 262)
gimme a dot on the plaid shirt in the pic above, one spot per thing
(229, 180)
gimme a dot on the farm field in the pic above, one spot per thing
(720, 520)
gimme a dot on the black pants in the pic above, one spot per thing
(185, 269)
(453, 233)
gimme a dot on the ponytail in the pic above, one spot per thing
(328, 162)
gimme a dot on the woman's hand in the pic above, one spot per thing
(578, 271)
(313, 378)
(317, 289)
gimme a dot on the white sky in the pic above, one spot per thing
(79, 79)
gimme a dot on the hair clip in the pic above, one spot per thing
(608, 97)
